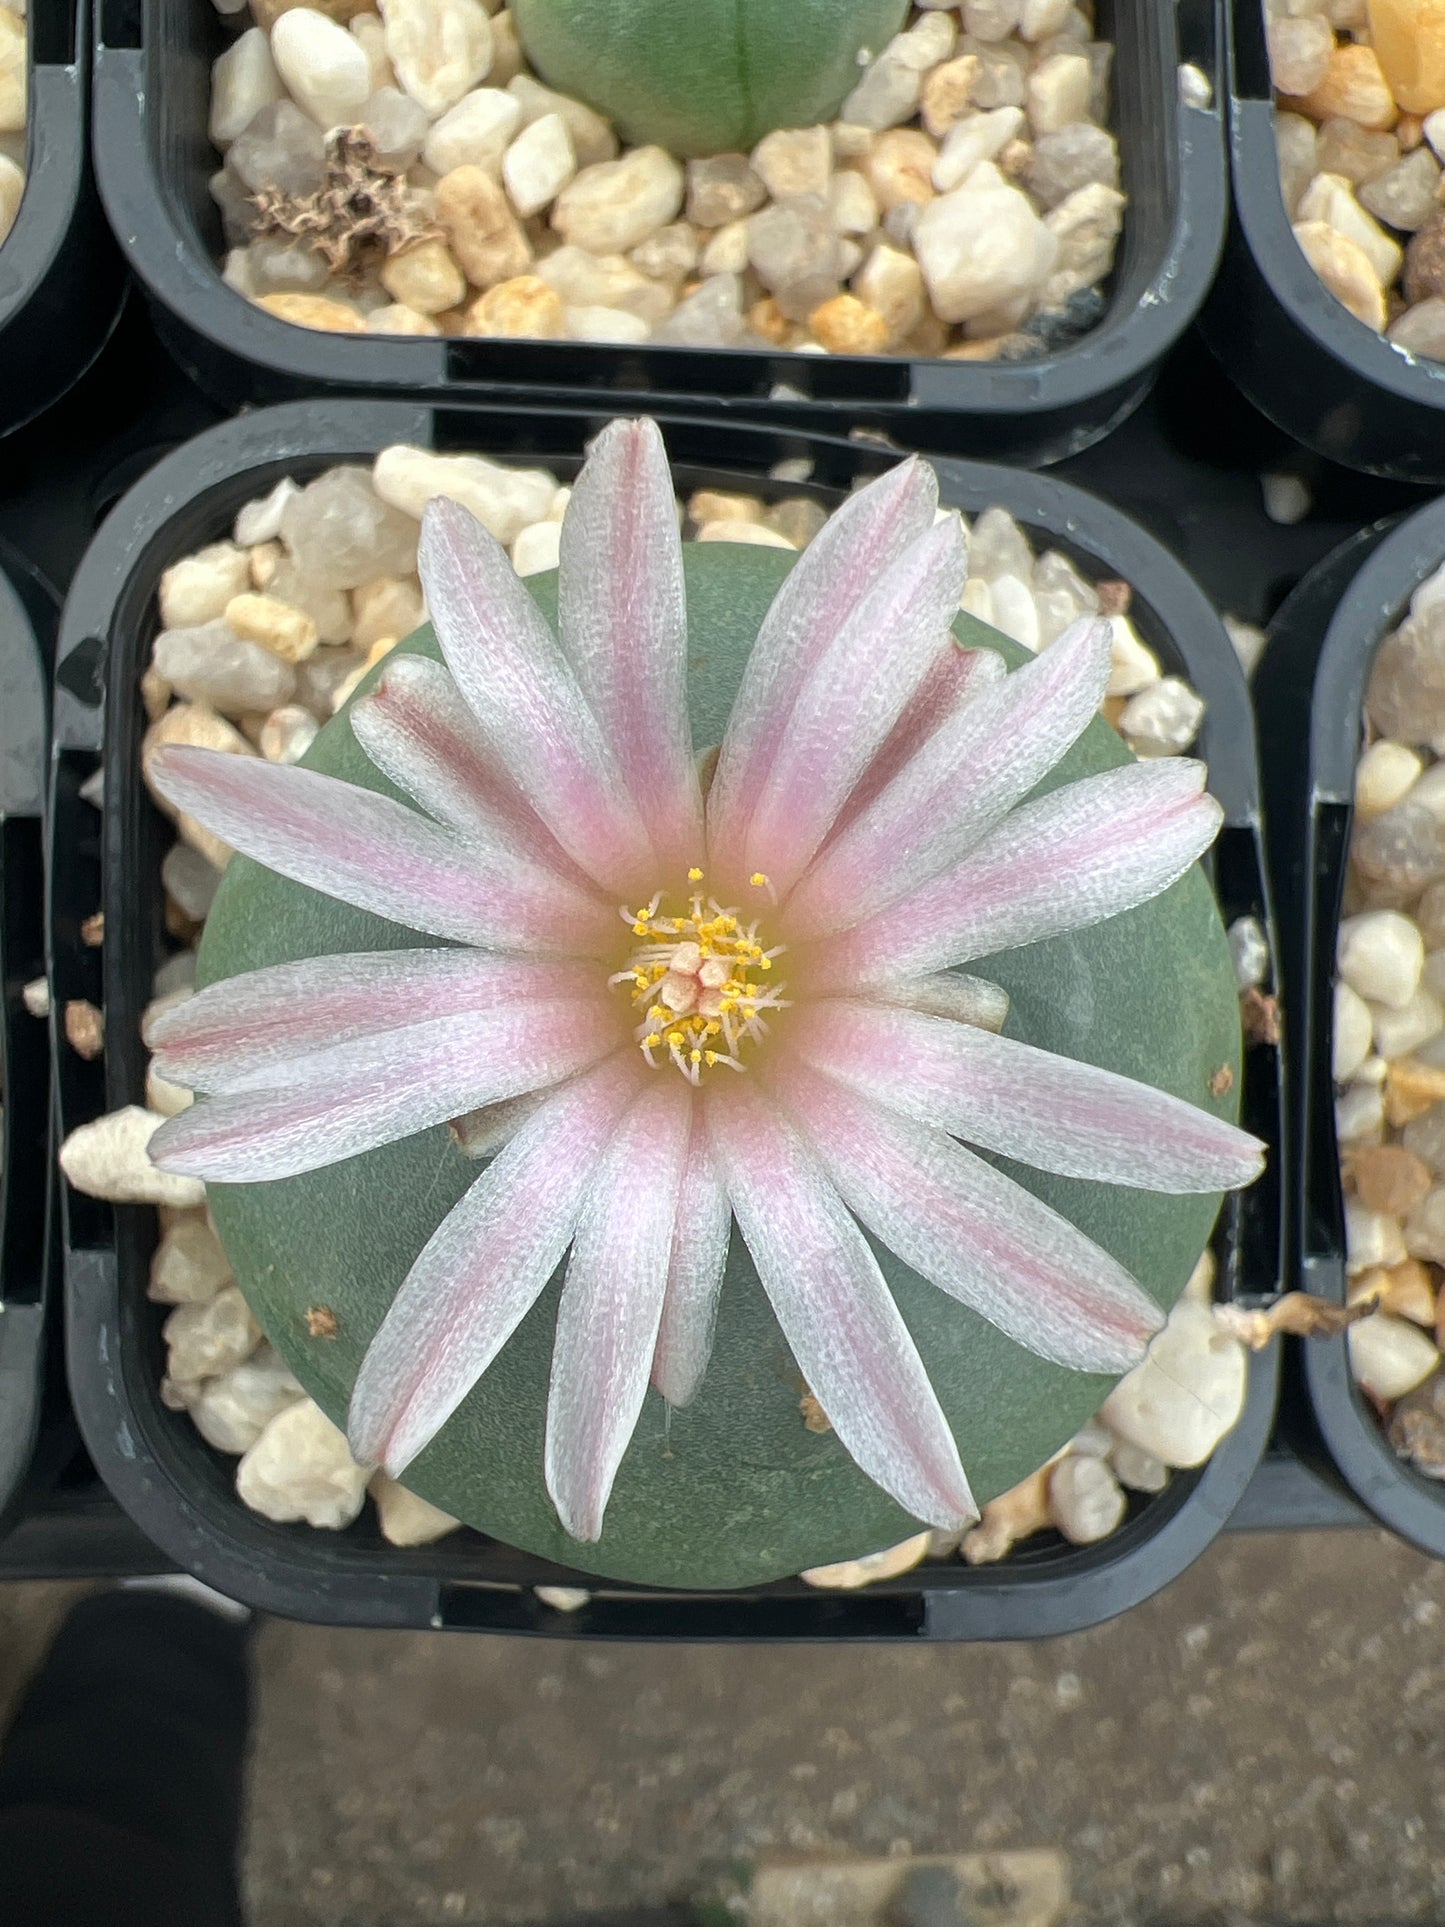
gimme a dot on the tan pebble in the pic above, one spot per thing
(712, 505)
(404, 1518)
(867, 1571)
(988, 350)
(392, 605)
(265, 559)
(1408, 37)
(313, 311)
(285, 631)
(485, 235)
(847, 326)
(287, 734)
(754, 532)
(425, 277)
(84, 1028)
(766, 318)
(1384, 775)
(1346, 271)
(383, 646)
(1409, 132)
(397, 319)
(1355, 88)
(1013, 1515)
(200, 727)
(108, 1159)
(1390, 1179)
(1410, 1089)
(947, 93)
(267, 12)
(523, 306)
(890, 281)
(1405, 1290)
(899, 169)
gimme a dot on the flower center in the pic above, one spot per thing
(700, 980)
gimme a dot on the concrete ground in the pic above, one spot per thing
(1264, 1742)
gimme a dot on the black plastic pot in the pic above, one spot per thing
(175, 1488)
(152, 60)
(1309, 688)
(1299, 354)
(60, 278)
(28, 1280)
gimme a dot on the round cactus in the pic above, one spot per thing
(705, 76)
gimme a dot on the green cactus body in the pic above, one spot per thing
(705, 76)
(735, 1489)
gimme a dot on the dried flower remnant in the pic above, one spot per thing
(569, 855)
(360, 216)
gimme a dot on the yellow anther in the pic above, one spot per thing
(765, 963)
(694, 875)
(758, 880)
(639, 929)
(651, 1042)
(710, 1057)
(675, 1039)
(644, 915)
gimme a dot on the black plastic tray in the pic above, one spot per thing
(154, 160)
(1310, 690)
(60, 278)
(30, 1431)
(1297, 352)
(173, 1486)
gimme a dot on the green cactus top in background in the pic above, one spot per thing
(705, 76)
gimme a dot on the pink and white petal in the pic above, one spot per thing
(373, 852)
(482, 1132)
(964, 780)
(1079, 855)
(519, 686)
(695, 1274)
(1052, 1112)
(611, 1306)
(958, 676)
(974, 1233)
(418, 729)
(336, 1103)
(837, 1314)
(247, 1024)
(622, 622)
(949, 993)
(857, 690)
(483, 1269)
(832, 576)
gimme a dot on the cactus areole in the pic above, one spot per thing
(706, 76)
(691, 984)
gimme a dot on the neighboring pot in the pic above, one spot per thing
(1310, 689)
(61, 284)
(171, 1483)
(154, 161)
(1301, 357)
(30, 1424)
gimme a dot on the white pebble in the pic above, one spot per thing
(1371, 1239)
(406, 1519)
(975, 138)
(211, 664)
(563, 1599)
(211, 1337)
(108, 1159)
(608, 324)
(301, 1468)
(1360, 1114)
(474, 133)
(1381, 955)
(1134, 664)
(1384, 776)
(1014, 611)
(36, 997)
(440, 49)
(1057, 92)
(538, 165)
(1140, 1471)
(982, 251)
(504, 500)
(1390, 1356)
(615, 205)
(1354, 1028)
(325, 70)
(232, 1410)
(1086, 1502)
(538, 547)
(1163, 719)
(1398, 1032)
(1249, 948)
(1188, 1392)
(243, 81)
(196, 589)
(163, 1096)
(188, 1266)
(258, 521)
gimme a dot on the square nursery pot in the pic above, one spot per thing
(1302, 358)
(172, 1484)
(153, 60)
(1310, 690)
(35, 1431)
(61, 283)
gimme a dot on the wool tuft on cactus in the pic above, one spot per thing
(663, 910)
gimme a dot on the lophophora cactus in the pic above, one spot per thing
(704, 1014)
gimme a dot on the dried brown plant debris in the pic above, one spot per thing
(359, 216)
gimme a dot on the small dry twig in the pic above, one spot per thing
(1298, 1313)
(359, 216)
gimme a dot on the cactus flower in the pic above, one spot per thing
(673, 993)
